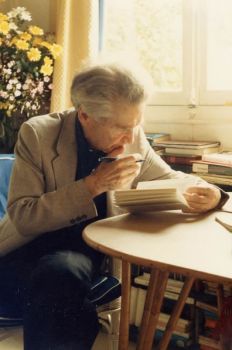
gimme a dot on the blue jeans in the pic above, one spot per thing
(47, 281)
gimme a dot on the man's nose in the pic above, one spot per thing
(128, 138)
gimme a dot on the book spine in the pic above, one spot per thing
(218, 158)
(191, 151)
(183, 151)
(140, 306)
(216, 179)
(211, 169)
(179, 160)
(176, 340)
(133, 304)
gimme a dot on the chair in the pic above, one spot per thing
(105, 291)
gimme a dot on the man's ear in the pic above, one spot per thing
(83, 117)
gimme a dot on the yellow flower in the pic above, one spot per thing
(36, 30)
(36, 41)
(4, 27)
(25, 36)
(13, 41)
(22, 45)
(34, 54)
(46, 69)
(55, 50)
(47, 60)
(3, 17)
(46, 44)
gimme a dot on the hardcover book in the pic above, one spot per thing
(199, 166)
(216, 179)
(190, 144)
(224, 157)
(172, 159)
(190, 151)
(157, 137)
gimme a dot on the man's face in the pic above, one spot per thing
(109, 134)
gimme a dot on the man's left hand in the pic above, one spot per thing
(201, 199)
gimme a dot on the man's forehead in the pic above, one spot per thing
(128, 116)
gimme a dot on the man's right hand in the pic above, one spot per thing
(114, 175)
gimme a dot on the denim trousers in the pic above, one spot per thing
(47, 282)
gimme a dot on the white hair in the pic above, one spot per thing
(96, 88)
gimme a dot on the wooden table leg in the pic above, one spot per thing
(125, 306)
(147, 307)
(155, 310)
(176, 313)
(220, 294)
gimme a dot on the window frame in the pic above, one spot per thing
(194, 84)
(207, 97)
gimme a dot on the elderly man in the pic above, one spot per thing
(58, 186)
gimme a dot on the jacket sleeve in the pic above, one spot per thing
(155, 168)
(31, 208)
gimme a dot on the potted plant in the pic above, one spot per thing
(27, 57)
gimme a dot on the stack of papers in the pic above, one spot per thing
(151, 196)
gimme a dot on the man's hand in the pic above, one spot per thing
(113, 176)
(201, 199)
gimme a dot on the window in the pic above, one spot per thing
(186, 45)
(216, 52)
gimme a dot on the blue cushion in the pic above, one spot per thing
(6, 163)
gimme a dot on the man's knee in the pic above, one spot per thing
(62, 273)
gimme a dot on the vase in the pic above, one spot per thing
(9, 127)
(9, 130)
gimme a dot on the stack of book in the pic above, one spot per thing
(190, 148)
(181, 154)
(215, 168)
(154, 138)
(208, 312)
(157, 137)
(183, 333)
(207, 303)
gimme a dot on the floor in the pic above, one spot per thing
(12, 340)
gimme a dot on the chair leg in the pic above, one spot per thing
(110, 321)
(113, 338)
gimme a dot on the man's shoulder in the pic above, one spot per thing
(50, 120)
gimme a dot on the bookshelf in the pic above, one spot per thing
(199, 324)
(183, 336)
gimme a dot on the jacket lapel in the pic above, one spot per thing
(65, 164)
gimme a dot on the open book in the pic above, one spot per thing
(151, 196)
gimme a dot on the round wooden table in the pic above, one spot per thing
(193, 245)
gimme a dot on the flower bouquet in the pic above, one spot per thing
(27, 56)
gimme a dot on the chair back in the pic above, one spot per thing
(6, 165)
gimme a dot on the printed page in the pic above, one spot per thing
(180, 184)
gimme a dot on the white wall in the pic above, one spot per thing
(203, 123)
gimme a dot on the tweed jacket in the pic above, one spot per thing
(43, 194)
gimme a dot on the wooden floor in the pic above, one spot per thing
(12, 340)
